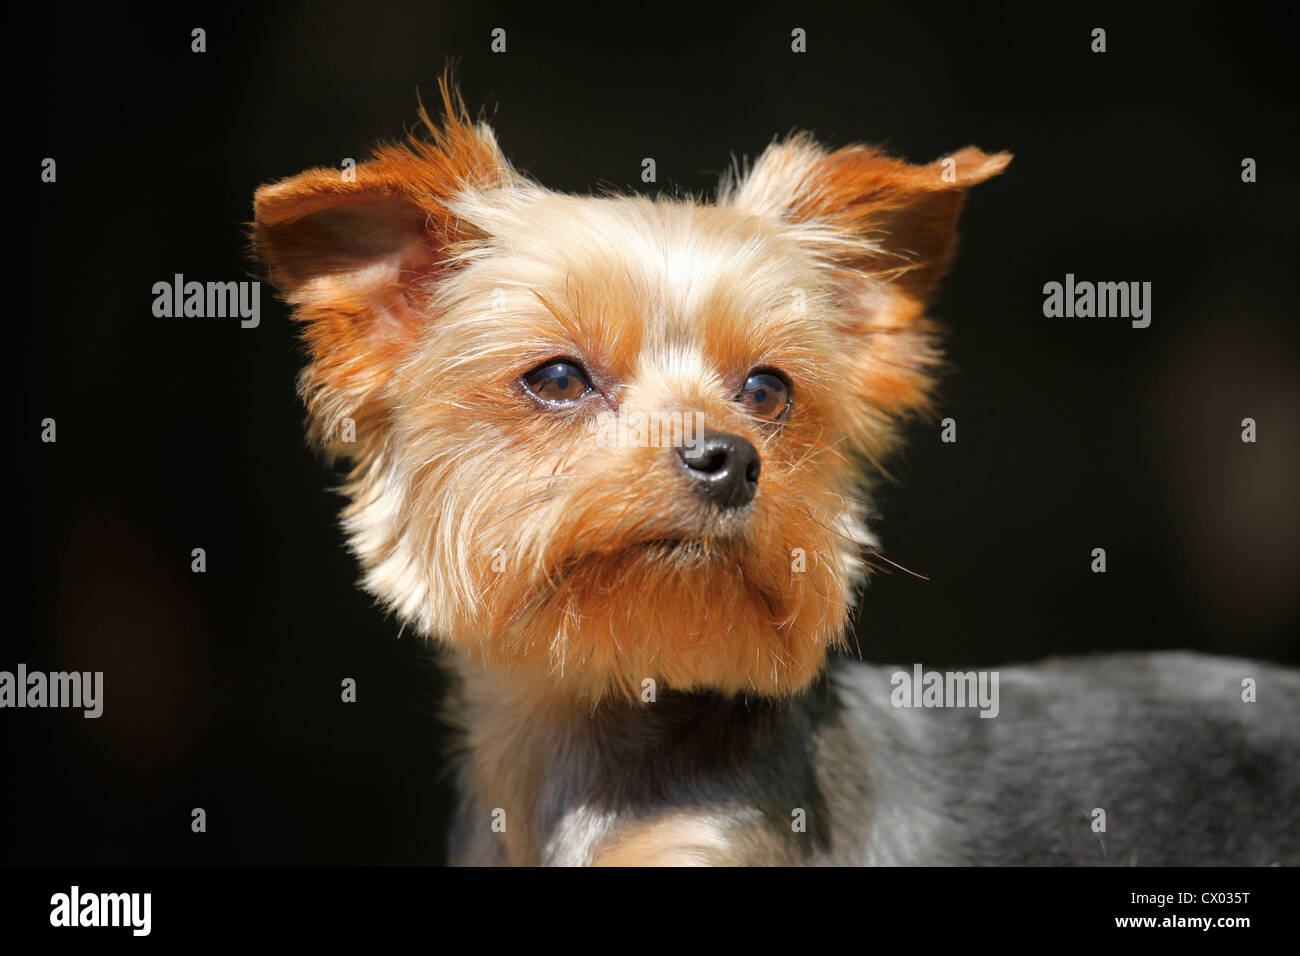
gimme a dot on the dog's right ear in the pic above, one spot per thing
(358, 256)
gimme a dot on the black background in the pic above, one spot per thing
(222, 689)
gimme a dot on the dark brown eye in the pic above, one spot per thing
(559, 382)
(766, 395)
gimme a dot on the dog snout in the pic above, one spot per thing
(723, 468)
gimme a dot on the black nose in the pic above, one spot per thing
(724, 468)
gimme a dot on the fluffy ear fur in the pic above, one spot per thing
(359, 257)
(884, 230)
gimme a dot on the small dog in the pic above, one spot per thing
(611, 453)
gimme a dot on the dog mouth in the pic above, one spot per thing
(675, 547)
(679, 552)
(672, 551)
(714, 547)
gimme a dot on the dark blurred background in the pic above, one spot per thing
(222, 689)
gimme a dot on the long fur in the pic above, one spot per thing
(643, 677)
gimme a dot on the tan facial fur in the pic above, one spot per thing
(434, 282)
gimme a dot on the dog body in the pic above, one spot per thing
(1184, 770)
(614, 453)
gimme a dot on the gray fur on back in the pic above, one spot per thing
(1186, 772)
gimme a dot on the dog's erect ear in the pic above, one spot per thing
(885, 230)
(358, 254)
(865, 212)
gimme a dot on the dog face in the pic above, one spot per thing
(596, 441)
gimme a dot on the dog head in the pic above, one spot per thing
(601, 440)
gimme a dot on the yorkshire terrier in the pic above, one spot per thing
(613, 453)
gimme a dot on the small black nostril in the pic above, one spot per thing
(725, 469)
(710, 462)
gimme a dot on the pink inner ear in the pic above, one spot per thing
(366, 256)
(396, 313)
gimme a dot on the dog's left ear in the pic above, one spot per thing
(865, 212)
(884, 230)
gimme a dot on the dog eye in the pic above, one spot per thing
(559, 382)
(766, 395)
